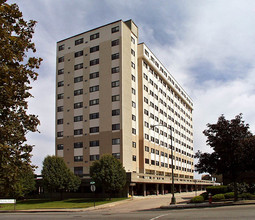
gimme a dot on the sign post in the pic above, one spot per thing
(93, 189)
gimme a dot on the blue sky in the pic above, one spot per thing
(208, 46)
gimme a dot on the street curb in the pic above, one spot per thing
(207, 205)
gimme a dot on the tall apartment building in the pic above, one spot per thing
(110, 90)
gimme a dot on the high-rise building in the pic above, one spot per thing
(113, 96)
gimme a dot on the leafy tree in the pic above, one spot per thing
(228, 139)
(57, 177)
(16, 73)
(109, 173)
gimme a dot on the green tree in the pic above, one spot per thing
(228, 140)
(16, 73)
(57, 177)
(109, 173)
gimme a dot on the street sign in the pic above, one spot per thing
(92, 183)
(93, 188)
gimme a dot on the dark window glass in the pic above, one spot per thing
(78, 145)
(79, 41)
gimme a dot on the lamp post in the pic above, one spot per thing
(173, 200)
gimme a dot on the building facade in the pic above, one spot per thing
(113, 96)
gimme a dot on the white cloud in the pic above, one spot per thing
(208, 46)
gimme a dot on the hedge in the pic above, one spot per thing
(229, 195)
(218, 197)
(217, 189)
(197, 199)
(246, 196)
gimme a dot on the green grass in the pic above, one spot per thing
(64, 204)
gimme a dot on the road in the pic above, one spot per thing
(144, 209)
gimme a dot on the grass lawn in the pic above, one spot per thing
(50, 204)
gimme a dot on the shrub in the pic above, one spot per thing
(241, 187)
(246, 196)
(218, 197)
(217, 189)
(229, 195)
(205, 195)
(197, 199)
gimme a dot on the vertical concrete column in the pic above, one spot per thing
(157, 190)
(144, 189)
(180, 188)
(187, 189)
(162, 189)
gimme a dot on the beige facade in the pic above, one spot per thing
(110, 90)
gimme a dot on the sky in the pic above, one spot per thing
(207, 45)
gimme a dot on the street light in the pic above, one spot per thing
(173, 200)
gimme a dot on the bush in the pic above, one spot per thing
(218, 197)
(246, 196)
(197, 199)
(229, 195)
(205, 195)
(241, 187)
(217, 189)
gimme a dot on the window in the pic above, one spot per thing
(115, 69)
(133, 40)
(146, 136)
(133, 131)
(132, 52)
(61, 83)
(94, 157)
(94, 75)
(79, 41)
(61, 47)
(94, 115)
(134, 157)
(78, 170)
(93, 102)
(60, 121)
(78, 131)
(94, 130)
(78, 118)
(146, 88)
(94, 49)
(146, 112)
(61, 96)
(78, 54)
(133, 77)
(60, 108)
(115, 84)
(145, 100)
(116, 155)
(147, 149)
(115, 112)
(133, 91)
(157, 163)
(78, 158)
(116, 141)
(94, 88)
(60, 146)
(78, 105)
(157, 152)
(115, 127)
(115, 29)
(78, 66)
(152, 162)
(132, 65)
(78, 145)
(115, 98)
(94, 36)
(78, 92)
(133, 117)
(61, 59)
(115, 56)
(94, 62)
(152, 150)
(133, 104)
(147, 161)
(115, 42)
(60, 134)
(94, 143)
(61, 71)
(147, 53)
(133, 144)
(78, 79)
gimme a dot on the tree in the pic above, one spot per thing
(16, 73)
(57, 177)
(228, 139)
(109, 173)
